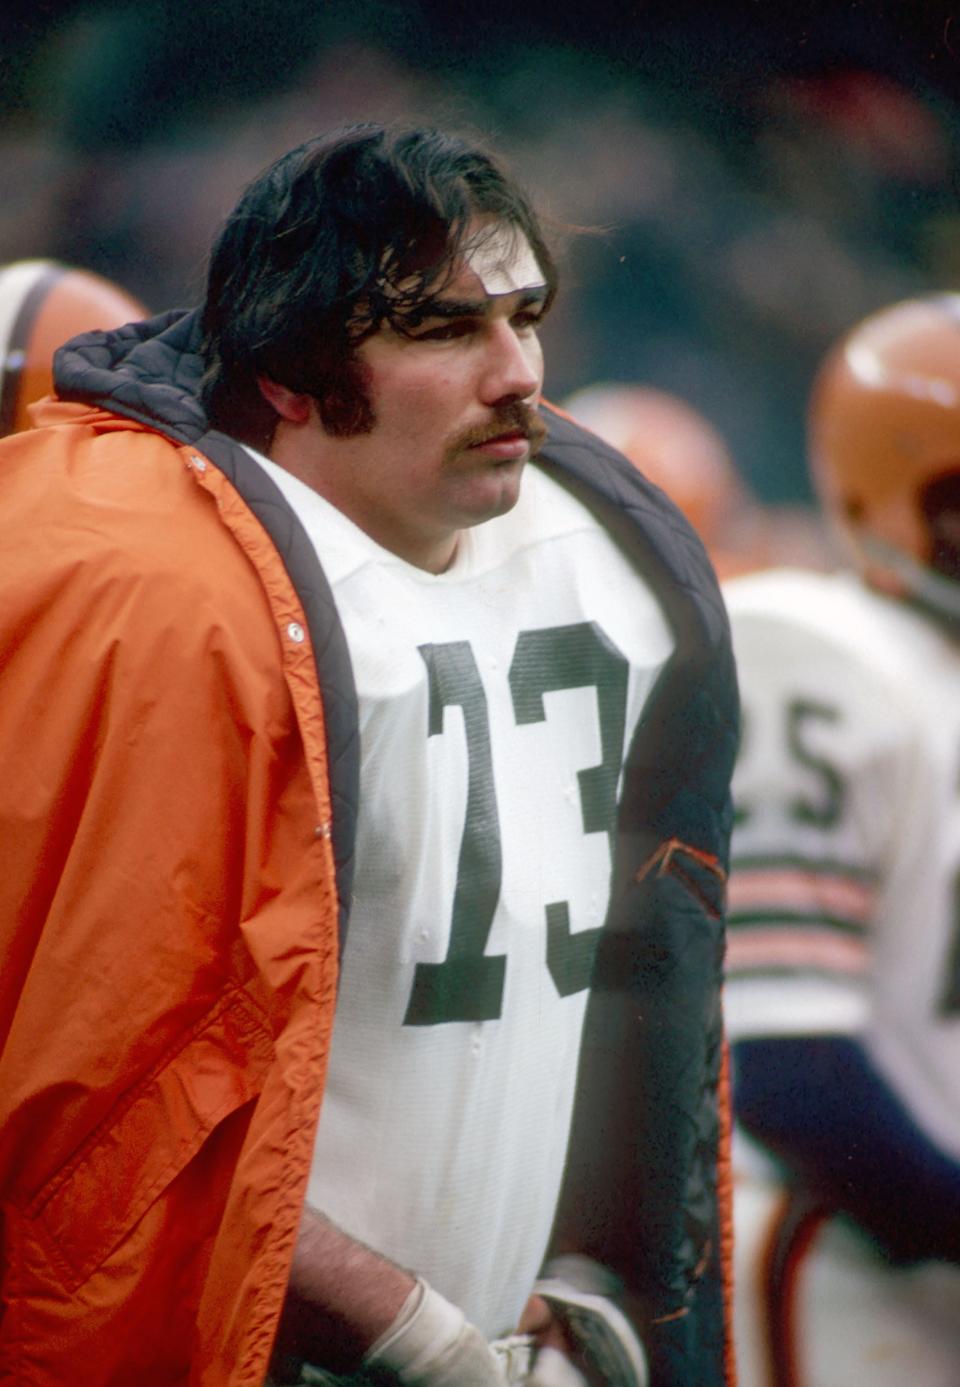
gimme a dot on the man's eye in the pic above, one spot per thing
(528, 319)
(445, 332)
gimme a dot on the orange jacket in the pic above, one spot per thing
(164, 771)
(177, 805)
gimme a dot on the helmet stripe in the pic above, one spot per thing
(23, 288)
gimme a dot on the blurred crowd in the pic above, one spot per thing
(730, 195)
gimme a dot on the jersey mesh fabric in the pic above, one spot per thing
(496, 702)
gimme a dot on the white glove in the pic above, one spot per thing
(554, 1369)
(431, 1344)
(581, 1293)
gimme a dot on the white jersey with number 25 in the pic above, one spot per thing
(844, 909)
(844, 918)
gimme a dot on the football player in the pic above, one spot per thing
(366, 731)
(678, 449)
(843, 996)
(674, 445)
(42, 304)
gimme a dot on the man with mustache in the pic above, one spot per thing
(367, 736)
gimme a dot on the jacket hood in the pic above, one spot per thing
(148, 371)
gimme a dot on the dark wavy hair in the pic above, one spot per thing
(353, 228)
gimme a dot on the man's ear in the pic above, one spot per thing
(289, 404)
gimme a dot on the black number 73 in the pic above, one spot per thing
(468, 985)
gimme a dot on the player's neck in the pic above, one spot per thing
(432, 552)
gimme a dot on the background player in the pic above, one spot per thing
(844, 990)
(680, 450)
(42, 304)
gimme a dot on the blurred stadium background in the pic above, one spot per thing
(756, 178)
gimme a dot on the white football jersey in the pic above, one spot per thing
(844, 905)
(496, 702)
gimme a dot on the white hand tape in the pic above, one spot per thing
(430, 1344)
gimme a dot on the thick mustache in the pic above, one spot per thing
(514, 418)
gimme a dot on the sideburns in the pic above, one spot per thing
(343, 402)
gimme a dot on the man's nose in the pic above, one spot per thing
(514, 365)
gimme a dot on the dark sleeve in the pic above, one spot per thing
(646, 1188)
(820, 1106)
(642, 1191)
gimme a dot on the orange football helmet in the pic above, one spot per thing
(884, 443)
(675, 447)
(43, 304)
